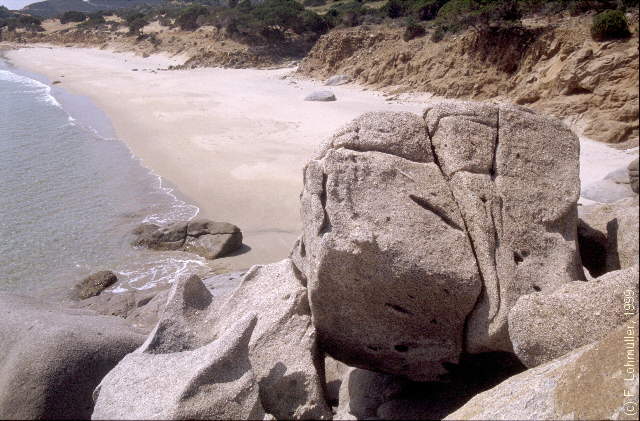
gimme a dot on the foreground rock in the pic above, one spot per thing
(203, 237)
(544, 327)
(282, 364)
(52, 359)
(323, 96)
(431, 224)
(94, 284)
(589, 383)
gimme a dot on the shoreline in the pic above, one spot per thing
(234, 168)
(231, 141)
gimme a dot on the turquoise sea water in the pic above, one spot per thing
(70, 194)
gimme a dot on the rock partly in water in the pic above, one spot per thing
(589, 383)
(544, 327)
(323, 96)
(431, 225)
(52, 359)
(203, 237)
(337, 80)
(94, 284)
(633, 175)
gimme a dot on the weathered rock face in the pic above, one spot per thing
(412, 225)
(203, 237)
(94, 284)
(52, 359)
(192, 353)
(363, 391)
(337, 80)
(588, 383)
(212, 382)
(633, 175)
(544, 327)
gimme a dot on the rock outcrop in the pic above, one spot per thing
(543, 327)
(591, 382)
(633, 175)
(203, 237)
(417, 227)
(52, 359)
(94, 284)
(337, 80)
(616, 223)
(283, 366)
(363, 392)
(553, 67)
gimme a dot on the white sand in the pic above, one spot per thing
(232, 141)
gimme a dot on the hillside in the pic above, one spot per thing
(52, 8)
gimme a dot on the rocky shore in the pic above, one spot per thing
(444, 270)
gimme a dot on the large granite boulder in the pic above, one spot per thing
(544, 327)
(322, 96)
(592, 382)
(415, 227)
(203, 237)
(282, 364)
(52, 359)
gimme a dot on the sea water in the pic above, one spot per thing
(71, 193)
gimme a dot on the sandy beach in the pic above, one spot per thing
(232, 141)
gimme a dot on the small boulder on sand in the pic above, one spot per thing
(323, 96)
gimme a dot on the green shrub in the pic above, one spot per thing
(412, 29)
(187, 20)
(72, 16)
(610, 24)
(136, 24)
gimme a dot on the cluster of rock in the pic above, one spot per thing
(435, 248)
(203, 237)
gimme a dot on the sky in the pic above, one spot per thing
(16, 4)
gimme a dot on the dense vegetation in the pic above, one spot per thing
(12, 21)
(278, 22)
(610, 24)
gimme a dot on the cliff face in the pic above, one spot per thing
(553, 67)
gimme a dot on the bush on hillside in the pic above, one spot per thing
(136, 22)
(72, 16)
(412, 30)
(187, 19)
(610, 24)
